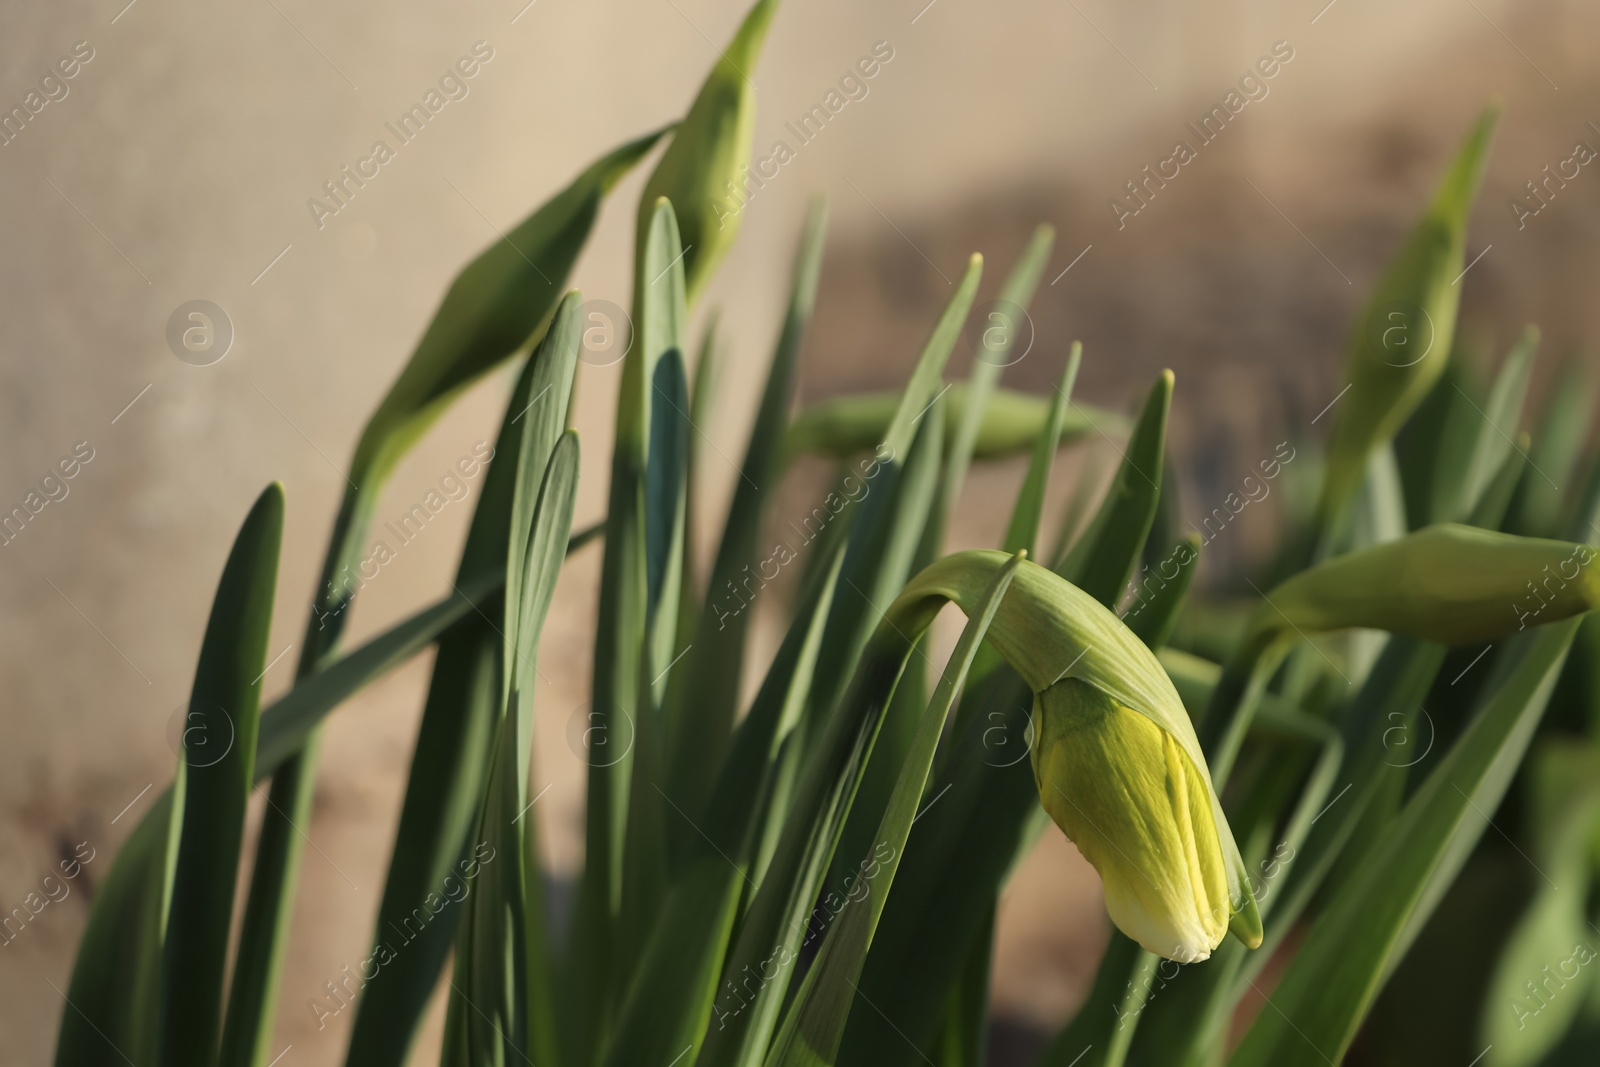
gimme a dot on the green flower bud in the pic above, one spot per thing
(1115, 756)
(1012, 421)
(1447, 583)
(1137, 807)
(702, 172)
(1401, 343)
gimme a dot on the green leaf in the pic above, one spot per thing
(705, 387)
(454, 742)
(1413, 307)
(1435, 445)
(1076, 506)
(503, 1006)
(1154, 611)
(713, 667)
(800, 837)
(494, 307)
(1007, 325)
(1012, 422)
(1381, 736)
(703, 170)
(1542, 979)
(1333, 979)
(1497, 429)
(964, 1037)
(1563, 430)
(212, 788)
(1490, 512)
(621, 660)
(816, 1020)
(294, 716)
(1023, 530)
(887, 533)
(1104, 556)
(676, 987)
(1100, 1032)
(544, 419)
(979, 826)
(112, 1004)
(646, 861)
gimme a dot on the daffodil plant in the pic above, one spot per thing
(811, 875)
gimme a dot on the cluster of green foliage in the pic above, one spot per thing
(770, 884)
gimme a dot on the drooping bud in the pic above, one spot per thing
(1115, 755)
(1139, 810)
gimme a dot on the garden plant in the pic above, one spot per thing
(1281, 792)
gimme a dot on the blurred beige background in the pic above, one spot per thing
(178, 165)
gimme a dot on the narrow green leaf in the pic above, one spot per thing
(1023, 530)
(713, 667)
(293, 717)
(1562, 431)
(816, 1020)
(112, 1004)
(1105, 555)
(705, 387)
(882, 541)
(495, 306)
(1495, 502)
(492, 309)
(676, 987)
(1500, 415)
(1435, 445)
(1159, 597)
(1522, 1018)
(1402, 340)
(621, 661)
(886, 535)
(212, 788)
(1007, 326)
(544, 420)
(1076, 506)
(451, 760)
(502, 1002)
(646, 860)
(1333, 979)
(1105, 1023)
(964, 1038)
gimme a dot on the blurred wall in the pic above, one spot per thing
(176, 164)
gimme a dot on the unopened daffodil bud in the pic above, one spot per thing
(1448, 583)
(1115, 756)
(1402, 340)
(1128, 795)
(703, 170)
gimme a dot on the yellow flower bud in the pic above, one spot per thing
(1139, 810)
(1115, 757)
